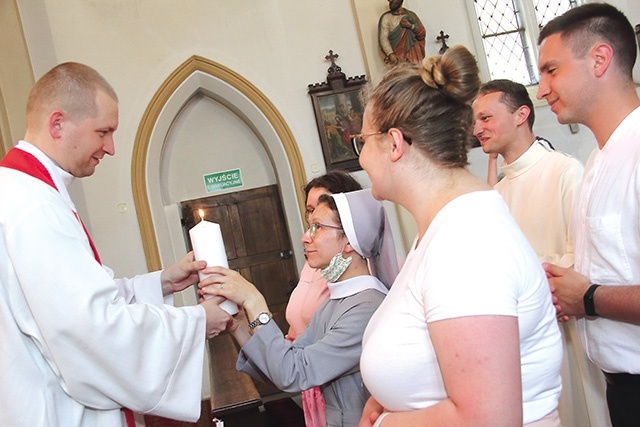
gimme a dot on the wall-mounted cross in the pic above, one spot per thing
(442, 38)
(334, 69)
(331, 57)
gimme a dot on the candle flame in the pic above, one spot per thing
(201, 213)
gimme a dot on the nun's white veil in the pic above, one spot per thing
(367, 228)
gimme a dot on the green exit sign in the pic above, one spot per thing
(223, 180)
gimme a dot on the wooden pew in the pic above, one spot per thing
(234, 397)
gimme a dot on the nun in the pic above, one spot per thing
(350, 240)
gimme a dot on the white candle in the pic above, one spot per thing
(207, 243)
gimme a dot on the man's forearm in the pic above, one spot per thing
(620, 303)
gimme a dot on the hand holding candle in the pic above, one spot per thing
(207, 243)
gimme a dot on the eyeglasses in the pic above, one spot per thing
(358, 140)
(315, 226)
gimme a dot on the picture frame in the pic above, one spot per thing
(338, 105)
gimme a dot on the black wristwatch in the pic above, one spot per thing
(589, 304)
(262, 319)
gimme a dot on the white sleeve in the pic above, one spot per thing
(144, 288)
(104, 352)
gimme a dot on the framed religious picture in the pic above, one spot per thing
(338, 105)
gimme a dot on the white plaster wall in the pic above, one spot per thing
(15, 76)
(279, 46)
(452, 18)
(449, 16)
(207, 138)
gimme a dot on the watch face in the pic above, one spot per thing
(263, 318)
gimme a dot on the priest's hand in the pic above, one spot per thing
(218, 320)
(181, 274)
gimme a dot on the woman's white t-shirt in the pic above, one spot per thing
(473, 260)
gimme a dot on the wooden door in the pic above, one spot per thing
(257, 242)
(256, 239)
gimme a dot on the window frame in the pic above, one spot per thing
(527, 15)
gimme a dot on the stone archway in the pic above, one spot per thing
(199, 75)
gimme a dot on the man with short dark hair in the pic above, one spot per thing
(539, 183)
(586, 62)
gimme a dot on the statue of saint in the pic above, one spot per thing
(401, 35)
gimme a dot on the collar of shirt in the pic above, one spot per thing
(354, 285)
(61, 178)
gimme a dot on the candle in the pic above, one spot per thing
(207, 243)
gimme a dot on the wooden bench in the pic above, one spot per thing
(234, 397)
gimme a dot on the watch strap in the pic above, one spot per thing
(589, 303)
(257, 320)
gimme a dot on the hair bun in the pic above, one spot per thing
(431, 73)
(455, 72)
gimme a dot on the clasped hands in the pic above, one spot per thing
(567, 288)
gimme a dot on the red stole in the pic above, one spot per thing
(27, 163)
(22, 161)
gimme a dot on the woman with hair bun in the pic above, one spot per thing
(467, 335)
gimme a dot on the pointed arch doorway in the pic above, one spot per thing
(205, 118)
(200, 78)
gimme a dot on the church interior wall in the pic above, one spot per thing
(278, 46)
(16, 76)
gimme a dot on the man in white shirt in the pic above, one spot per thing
(80, 348)
(586, 63)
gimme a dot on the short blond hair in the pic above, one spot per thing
(70, 87)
